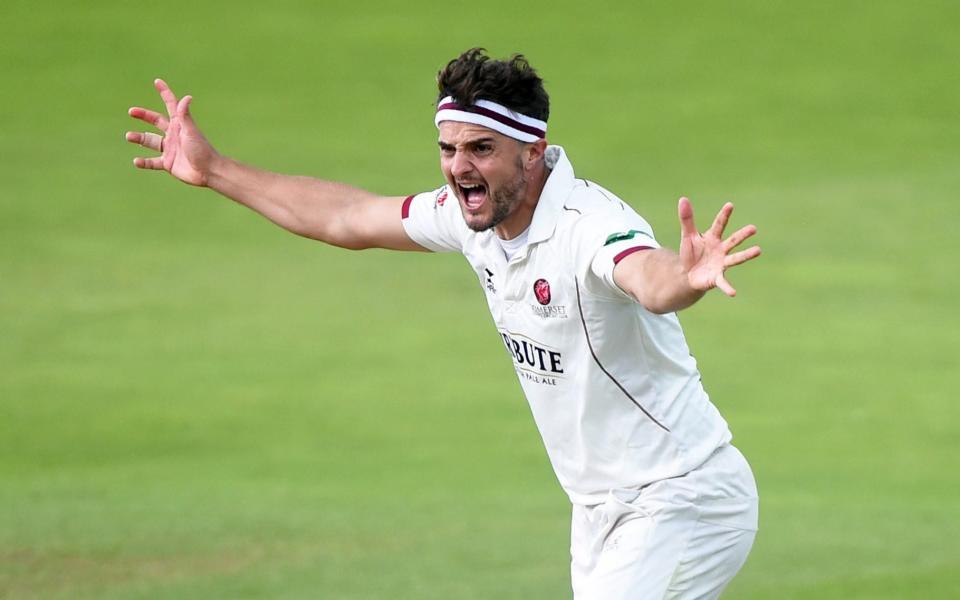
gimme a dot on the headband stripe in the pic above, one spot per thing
(493, 116)
(479, 110)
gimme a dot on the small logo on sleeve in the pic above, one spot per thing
(626, 235)
(440, 198)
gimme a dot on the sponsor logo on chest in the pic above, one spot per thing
(533, 361)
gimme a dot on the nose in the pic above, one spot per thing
(460, 165)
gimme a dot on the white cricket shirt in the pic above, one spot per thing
(613, 388)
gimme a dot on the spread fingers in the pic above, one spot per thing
(149, 116)
(741, 257)
(155, 163)
(738, 236)
(146, 139)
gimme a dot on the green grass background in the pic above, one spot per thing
(195, 404)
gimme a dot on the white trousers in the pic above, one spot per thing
(684, 537)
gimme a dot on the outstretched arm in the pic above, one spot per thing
(331, 212)
(664, 281)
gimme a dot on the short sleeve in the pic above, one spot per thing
(433, 220)
(605, 240)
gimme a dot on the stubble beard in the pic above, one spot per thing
(504, 201)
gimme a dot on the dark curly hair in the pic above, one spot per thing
(513, 83)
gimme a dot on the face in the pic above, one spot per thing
(485, 170)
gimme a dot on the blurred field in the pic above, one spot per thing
(195, 404)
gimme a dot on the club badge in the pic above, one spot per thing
(541, 289)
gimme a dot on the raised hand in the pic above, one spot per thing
(705, 257)
(184, 152)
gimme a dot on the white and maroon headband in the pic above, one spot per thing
(494, 116)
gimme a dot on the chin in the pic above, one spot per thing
(478, 224)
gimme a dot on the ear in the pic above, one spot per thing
(533, 153)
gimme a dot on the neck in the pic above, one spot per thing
(522, 215)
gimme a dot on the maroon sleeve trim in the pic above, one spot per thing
(628, 252)
(405, 210)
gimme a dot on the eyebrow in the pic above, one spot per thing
(484, 140)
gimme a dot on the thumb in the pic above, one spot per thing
(183, 107)
(688, 228)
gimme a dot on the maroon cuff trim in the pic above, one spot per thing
(405, 210)
(628, 252)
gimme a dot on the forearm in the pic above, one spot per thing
(322, 210)
(334, 213)
(656, 279)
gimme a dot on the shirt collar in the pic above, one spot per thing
(556, 189)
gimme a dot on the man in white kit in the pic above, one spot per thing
(584, 300)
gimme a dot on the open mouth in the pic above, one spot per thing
(473, 195)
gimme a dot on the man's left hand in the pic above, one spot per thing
(705, 257)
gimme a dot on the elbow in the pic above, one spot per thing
(334, 235)
(657, 301)
(658, 309)
(661, 304)
(645, 298)
(353, 245)
(655, 305)
(651, 302)
(345, 242)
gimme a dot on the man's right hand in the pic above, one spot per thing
(184, 152)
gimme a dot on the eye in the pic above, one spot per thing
(483, 148)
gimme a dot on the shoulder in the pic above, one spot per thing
(591, 197)
(433, 220)
(593, 210)
(435, 199)
(579, 197)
